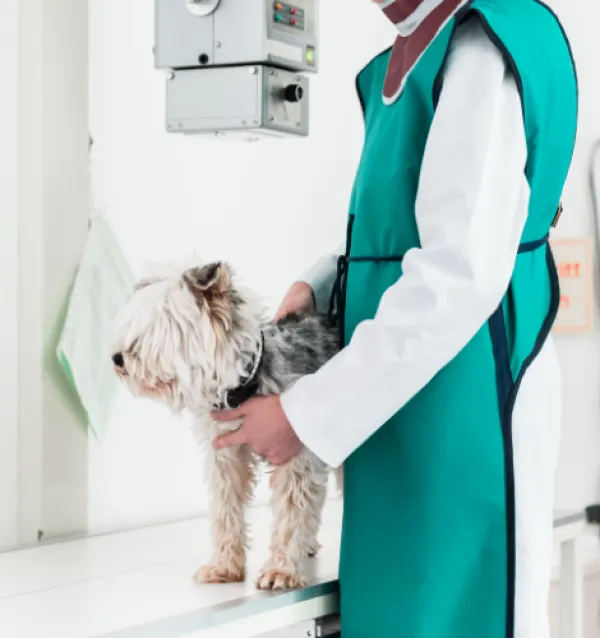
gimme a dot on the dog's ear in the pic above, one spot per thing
(211, 286)
(209, 281)
(143, 283)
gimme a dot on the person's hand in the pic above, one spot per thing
(299, 298)
(264, 428)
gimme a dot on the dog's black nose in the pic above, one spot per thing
(118, 360)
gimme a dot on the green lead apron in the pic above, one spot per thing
(428, 546)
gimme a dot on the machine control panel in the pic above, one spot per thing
(206, 33)
(292, 33)
(288, 15)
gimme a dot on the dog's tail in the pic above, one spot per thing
(339, 480)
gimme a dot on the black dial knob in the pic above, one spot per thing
(293, 93)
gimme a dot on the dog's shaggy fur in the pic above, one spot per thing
(189, 338)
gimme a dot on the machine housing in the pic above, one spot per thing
(236, 65)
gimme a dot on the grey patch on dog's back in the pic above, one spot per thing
(296, 346)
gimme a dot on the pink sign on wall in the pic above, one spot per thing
(573, 259)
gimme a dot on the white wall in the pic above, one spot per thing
(53, 200)
(43, 221)
(8, 264)
(270, 209)
(579, 469)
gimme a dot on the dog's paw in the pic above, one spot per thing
(215, 574)
(280, 579)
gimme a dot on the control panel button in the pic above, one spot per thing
(278, 6)
(293, 21)
(278, 18)
(293, 11)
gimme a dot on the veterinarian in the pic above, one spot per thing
(445, 403)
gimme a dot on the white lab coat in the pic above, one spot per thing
(449, 288)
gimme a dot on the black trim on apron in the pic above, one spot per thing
(337, 303)
(507, 396)
(507, 389)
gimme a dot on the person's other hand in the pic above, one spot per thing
(264, 428)
(299, 298)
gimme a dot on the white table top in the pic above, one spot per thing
(139, 583)
(106, 586)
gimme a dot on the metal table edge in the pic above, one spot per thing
(210, 617)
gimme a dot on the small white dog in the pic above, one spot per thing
(196, 340)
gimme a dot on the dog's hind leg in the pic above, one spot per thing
(298, 495)
(338, 475)
(339, 480)
(232, 479)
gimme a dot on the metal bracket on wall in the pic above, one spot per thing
(306, 629)
(328, 627)
(592, 514)
(594, 177)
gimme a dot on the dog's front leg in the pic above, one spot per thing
(298, 495)
(232, 478)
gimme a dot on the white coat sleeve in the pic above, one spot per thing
(321, 277)
(471, 209)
